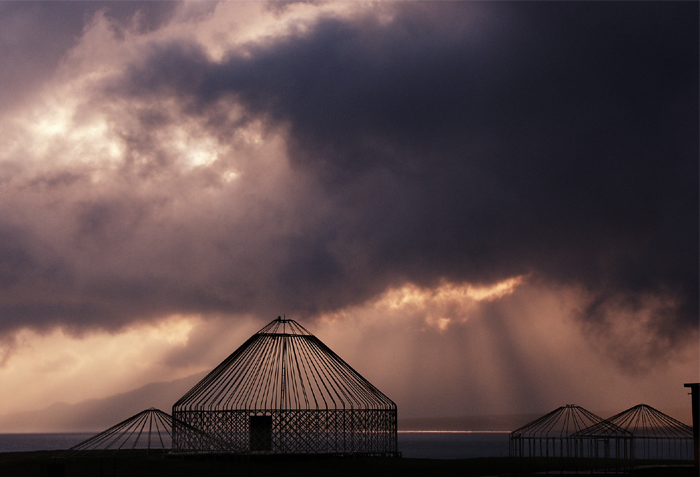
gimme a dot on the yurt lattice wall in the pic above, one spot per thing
(285, 392)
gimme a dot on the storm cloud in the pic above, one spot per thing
(459, 142)
(565, 148)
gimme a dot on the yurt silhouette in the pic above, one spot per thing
(285, 392)
(148, 432)
(574, 433)
(656, 435)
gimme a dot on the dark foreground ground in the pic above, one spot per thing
(44, 464)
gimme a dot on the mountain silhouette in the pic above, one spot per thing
(98, 414)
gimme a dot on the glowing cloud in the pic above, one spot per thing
(444, 303)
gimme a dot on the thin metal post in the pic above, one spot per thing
(695, 402)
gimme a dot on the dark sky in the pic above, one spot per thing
(158, 163)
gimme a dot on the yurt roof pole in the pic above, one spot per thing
(284, 374)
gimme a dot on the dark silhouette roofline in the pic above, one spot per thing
(283, 366)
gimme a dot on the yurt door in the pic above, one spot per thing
(260, 433)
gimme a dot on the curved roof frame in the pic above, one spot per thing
(563, 422)
(283, 367)
(644, 421)
(150, 430)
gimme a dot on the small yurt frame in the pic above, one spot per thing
(657, 436)
(573, 438)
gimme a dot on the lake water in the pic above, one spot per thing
(429, 445)
(453, 445)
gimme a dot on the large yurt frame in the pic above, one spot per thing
(285, 392)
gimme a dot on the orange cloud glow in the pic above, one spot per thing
(444, 303)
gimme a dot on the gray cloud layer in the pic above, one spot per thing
(556, 140)
(36, 35)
